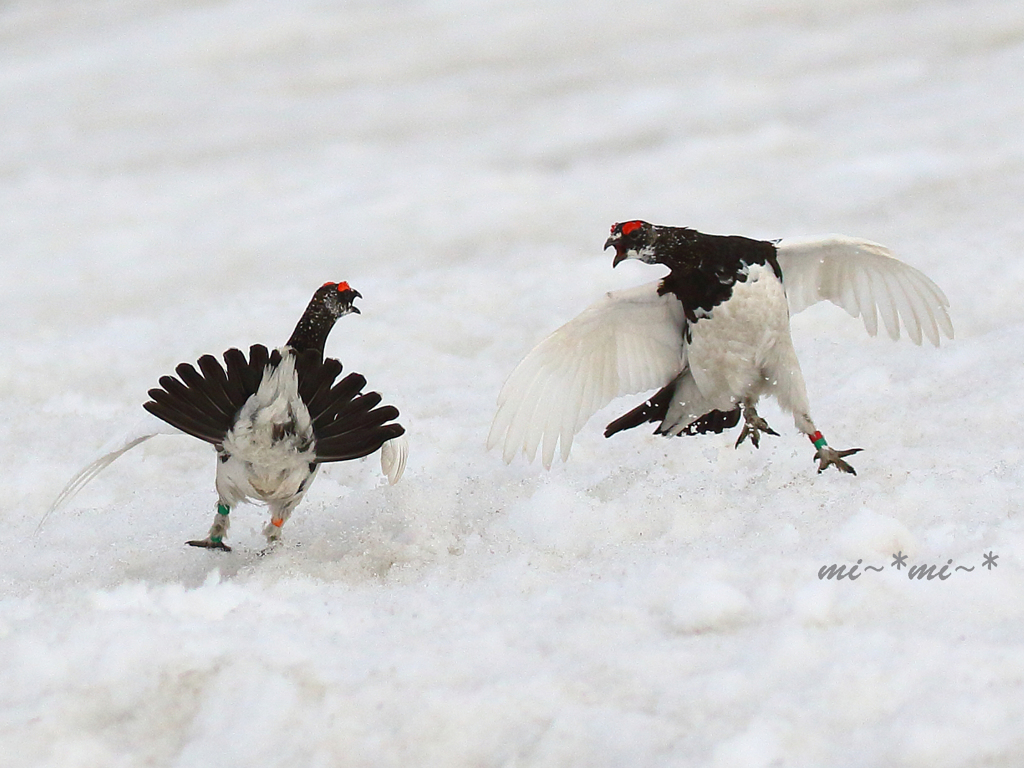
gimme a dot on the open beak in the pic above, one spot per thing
(620, 251)
(349, 297)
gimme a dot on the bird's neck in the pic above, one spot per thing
(677, 247)
(312, 329)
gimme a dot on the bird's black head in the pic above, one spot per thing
(331, 301)
(633, 240)
(337, 298)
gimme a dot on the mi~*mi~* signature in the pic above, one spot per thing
(919, 572)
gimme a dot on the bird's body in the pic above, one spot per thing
(713, 336)
(269, 455)
(738, 351)
(273, 417)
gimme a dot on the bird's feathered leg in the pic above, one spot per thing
(281, 510)
(279, 514)
(272, 530)
(791, 393)
(219, 529)
(753, 425)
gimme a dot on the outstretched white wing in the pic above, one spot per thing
(392, 458)
(866, 280)
(630, 341)
(148, 426)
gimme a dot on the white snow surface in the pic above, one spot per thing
(178, 176)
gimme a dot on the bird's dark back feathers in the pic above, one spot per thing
(704, 268)
(347, 424)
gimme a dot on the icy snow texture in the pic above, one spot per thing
(175, 177)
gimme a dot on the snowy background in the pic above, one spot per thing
(177, 177)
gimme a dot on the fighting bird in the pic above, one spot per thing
(713, 336)
(273, 419)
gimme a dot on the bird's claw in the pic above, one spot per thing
(753, 426)
(272, 546)
(830, 457)
(209, 543)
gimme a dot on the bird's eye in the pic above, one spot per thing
(631, 226)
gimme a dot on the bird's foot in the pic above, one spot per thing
(830, 457)
(272, 546)
(753, 426)
(210, 542)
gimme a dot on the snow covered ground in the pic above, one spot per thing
(177, 177)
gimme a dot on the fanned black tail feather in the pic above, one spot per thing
(205, 393)
(347, 413)
(713, 421)
(237, 375)
(366, 419)
(355, 445)
(205, 403)
(165, 406)
(347, 423)
(259, 359)
(358, 427)
(654, 409)
(315, 381)
(329, 406)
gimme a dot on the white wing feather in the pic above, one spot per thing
(392, 458)
(866, 280)
(630, 341)
(148, 426)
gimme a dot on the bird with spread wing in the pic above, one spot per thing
(712, 337)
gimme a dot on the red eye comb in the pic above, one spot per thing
(343, 286)
(631, 226)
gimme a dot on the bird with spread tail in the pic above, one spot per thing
(273, 419)
(712, 336)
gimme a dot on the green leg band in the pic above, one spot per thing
(223, 509)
